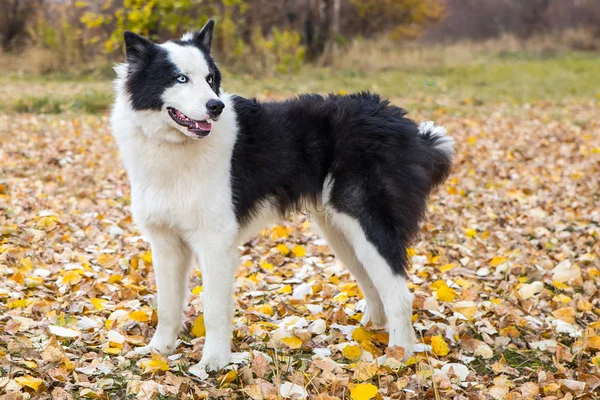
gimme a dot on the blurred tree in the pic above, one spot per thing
(14, 16)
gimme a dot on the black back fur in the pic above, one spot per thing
(381, 167)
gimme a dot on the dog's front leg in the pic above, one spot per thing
(218, 262)
(171, 258)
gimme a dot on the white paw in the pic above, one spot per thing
(215, 356)
(164, 344)
(374, 313)
(403, 336)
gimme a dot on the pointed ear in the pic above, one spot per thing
(203, 38)
(138, 49)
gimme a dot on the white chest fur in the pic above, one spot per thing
(182, 186)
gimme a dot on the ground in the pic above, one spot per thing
(506, 271)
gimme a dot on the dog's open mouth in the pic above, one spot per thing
(196, 128)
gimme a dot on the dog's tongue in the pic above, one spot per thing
(201, 125)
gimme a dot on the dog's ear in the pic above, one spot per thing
(138, 49)
(203, 38)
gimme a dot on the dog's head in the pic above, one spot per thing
(177, 82)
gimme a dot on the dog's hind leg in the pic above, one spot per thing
(390, 285)
(171, 258)
(343, 250)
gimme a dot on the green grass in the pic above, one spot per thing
(512, 78)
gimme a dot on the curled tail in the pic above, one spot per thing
(442, 147)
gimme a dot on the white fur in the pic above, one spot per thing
(445, 143)
(181, 200)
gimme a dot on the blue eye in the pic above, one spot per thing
(181, 78)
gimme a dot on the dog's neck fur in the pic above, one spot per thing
(149, 146)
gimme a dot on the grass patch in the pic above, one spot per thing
(517, 78)
(523, 361)
(87, 102)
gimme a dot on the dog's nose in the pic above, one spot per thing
(215, 107)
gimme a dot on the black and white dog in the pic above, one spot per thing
(208, 170)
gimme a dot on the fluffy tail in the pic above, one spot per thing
(442, 147)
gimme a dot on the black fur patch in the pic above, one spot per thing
(146, 83)
(382, 168)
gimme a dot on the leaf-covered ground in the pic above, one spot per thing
(506, 275)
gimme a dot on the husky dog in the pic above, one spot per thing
(208, 170)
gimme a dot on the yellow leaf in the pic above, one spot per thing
(463, 283)
(71, 278)
(283, 249)
(112, 350)
(115, 278)
(16, 304)
(29, 381)
(470, 232)
(351, 289)
(287, 289)
(510, 331)
(365, 371)
(267, 309)
(410, 252)
(292, 342)
(198, 329)
(279, 232)
(363, 391)
(466, 308)
(267, 266)
(444, 293)
(299, 251)
(351, 352)
(447, 267)
(98, 303)
(157, 363)
(594, 343)
(560, 285)
(197, 290)
(497, 261)
(139, 316)
(361, 334)
(439, 346)
(228, 377)
(26, 263)
(47, 223)
(566, 314)
(147, 257)
(106, 260)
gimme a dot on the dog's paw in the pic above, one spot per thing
(374, 313)
(214, 362)
(164, 345)
(215, 355)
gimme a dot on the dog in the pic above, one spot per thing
(208, 170)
